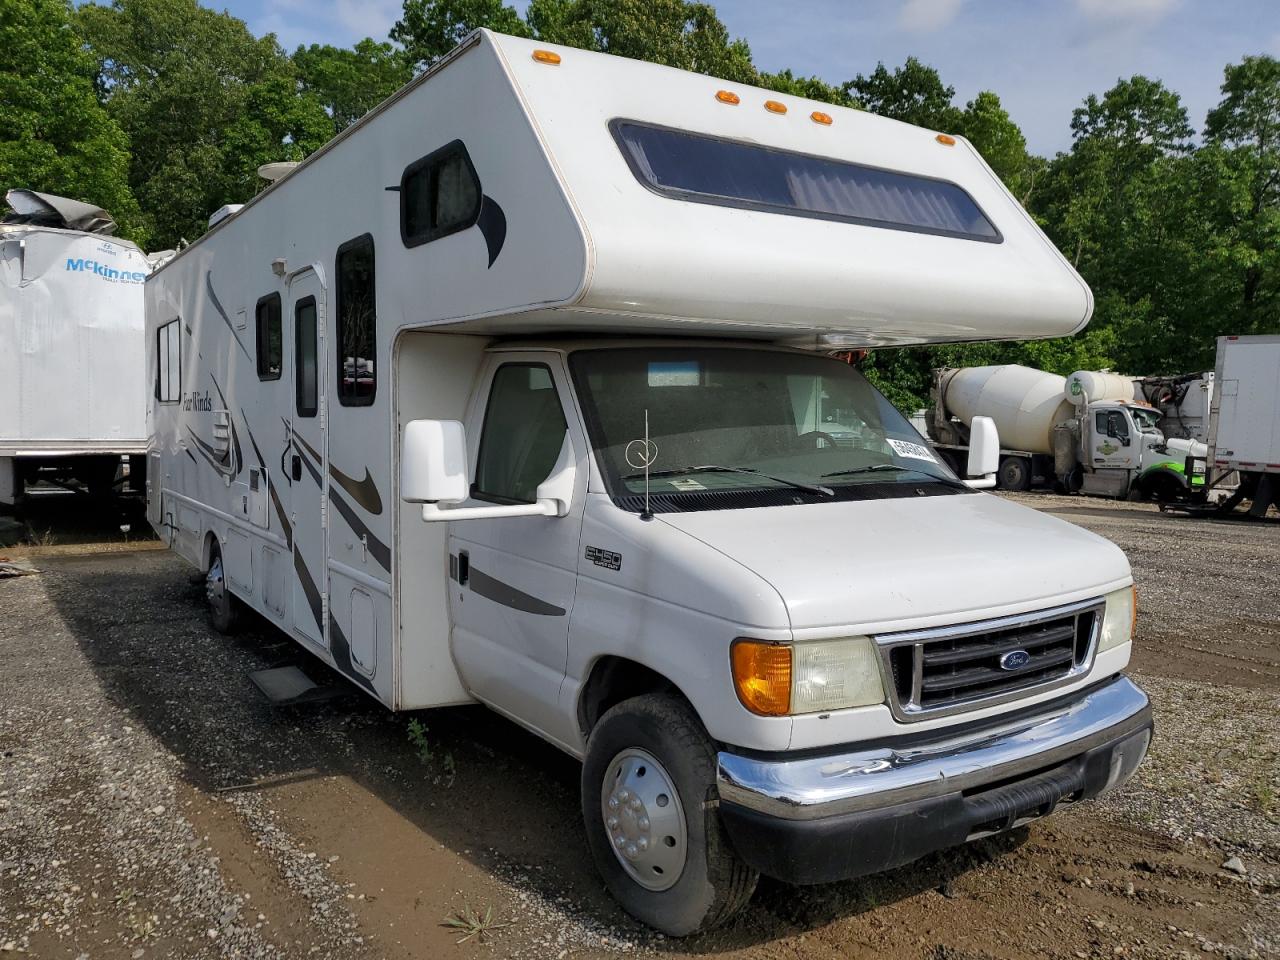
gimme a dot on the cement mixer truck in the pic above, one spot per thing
(1083, 433)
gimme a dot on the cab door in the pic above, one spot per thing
(512, 580)
(1115, 442)
(308, 469)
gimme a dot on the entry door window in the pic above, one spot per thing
(524, 429)
(304, 332)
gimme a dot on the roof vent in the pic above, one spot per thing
(223, 212)
(271, 172)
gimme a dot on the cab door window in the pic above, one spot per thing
(524, 429)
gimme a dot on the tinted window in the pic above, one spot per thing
(524, 430)
(307, 382)
(439, 195)
(169, 363)
(692, 166)
(270, 347)
(357, 323)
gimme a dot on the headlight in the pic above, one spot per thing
(1119, 619)
(777, 679)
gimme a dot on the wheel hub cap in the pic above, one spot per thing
(213, 583)
(644, 820)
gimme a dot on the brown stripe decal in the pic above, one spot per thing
(285, 525)
(340, 649)
(363, 492)
(507, 595)
(309, 588)
(380, 552)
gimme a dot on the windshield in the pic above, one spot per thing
(723, 420)
(1147, 420)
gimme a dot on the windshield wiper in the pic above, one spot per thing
(876, 467)
(715, 468)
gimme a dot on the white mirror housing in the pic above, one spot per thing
(433, 462)
(984, 454)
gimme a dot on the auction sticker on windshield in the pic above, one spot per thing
(913, 451)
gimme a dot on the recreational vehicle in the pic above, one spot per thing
(518, 392)
(72, 379)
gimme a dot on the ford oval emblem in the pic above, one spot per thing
(1015, 660)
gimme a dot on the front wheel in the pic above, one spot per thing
(1014, 474)
(648, 780)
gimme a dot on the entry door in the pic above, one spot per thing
(308, 455)
(512, 580)
(1112, 451)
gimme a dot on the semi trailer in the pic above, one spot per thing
(73, 385)
(1094, 433)
(517, 393)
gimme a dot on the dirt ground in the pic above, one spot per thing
(152, 804)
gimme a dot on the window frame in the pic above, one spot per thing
(271, 298)
(484, 495)
(437, 156)
(162, 356)
(721, 200)
(355, 242)
(300, 411)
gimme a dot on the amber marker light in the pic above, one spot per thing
(547, 56)
(946, 139)
(729, 97)
(773, 106)
(762, 676)
(819, 117)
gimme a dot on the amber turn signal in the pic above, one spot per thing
(773, 106)
(729, 97)
(946, 139)
(546, 56)
(819, 117)
(762, 676)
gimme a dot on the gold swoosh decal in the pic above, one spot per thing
(363, 492)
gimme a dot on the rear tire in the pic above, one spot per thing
(639, 753)
(1014, 474)
(225, 610)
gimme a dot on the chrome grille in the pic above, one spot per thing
(952, 669)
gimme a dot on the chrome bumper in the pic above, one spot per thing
(812, 788)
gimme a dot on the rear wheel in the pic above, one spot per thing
(657, 841)
(225, 610)
(1014, 474)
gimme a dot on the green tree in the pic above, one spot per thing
(204, 103)
(913, 93)
(988, 126)
(54, 135)
(676, 33)
(1245, 128)
(350, 83)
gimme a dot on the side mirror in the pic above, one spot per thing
(434, 472)
(433, 462)
(984, 454)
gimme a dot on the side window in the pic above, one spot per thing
(270, 346)
(524, 429)
(1100, 422)
(357, 323)
(307, 376)
(1119, 424)
(169, 362)
(439, 195)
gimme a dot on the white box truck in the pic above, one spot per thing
(516, 393)
(72, 376)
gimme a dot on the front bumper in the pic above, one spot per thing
(816, 819)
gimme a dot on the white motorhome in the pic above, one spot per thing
(72, 375)
(517, 392)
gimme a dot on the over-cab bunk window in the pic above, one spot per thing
(439, 195)
(169, 362)
(705, 169)
(357, 323)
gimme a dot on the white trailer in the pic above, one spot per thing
(516, 393)
(1244, 422)
(72, 361)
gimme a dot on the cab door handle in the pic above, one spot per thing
(464, 568)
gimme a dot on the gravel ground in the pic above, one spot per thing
(153, 805)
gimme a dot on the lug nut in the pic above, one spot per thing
(612, 823)
(644, 823)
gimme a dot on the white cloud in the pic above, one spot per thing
(1126, 9)
(925, 16)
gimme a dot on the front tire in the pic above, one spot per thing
(648, 786)
(225, 610)
(1014, 474)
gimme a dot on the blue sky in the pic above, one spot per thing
(1041, 56)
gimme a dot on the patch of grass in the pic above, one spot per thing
(428, 756)
(471, 924)
(1263, 795)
